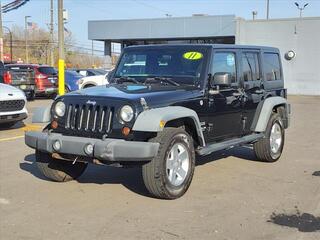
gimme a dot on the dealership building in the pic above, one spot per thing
(298, 35)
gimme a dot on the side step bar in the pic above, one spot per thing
(229, 143)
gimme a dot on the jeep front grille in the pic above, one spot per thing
(89, 118)
(11, 105)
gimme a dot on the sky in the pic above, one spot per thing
(81, 11)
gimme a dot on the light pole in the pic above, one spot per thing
(254, 15)
(11, 49)
(301, 8)
(26, 36)
(61, 47)
(268, 8)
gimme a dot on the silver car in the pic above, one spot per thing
(12, 105)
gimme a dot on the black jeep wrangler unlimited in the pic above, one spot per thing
(165, 105)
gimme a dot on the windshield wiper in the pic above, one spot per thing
(120, 80)
(161, 80)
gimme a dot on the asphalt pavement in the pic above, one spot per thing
(232, 196)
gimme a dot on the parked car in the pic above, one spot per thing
(12, 105)
(182, 101)
(72, 80)
(91, 72)
(21, 77)
(44, 77)
(93, 81)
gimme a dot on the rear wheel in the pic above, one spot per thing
(170, 173)
(269, 149)
(58, 170)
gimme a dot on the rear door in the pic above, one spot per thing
(252, 81)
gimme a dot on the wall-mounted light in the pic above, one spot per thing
(290, 55)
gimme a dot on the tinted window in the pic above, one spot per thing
(272, 66)
(224, 62)
(250, 67)
(47, 70)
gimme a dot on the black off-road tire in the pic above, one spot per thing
(58, 170)
(262, 148)
(154, 173)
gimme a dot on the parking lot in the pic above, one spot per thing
(232, 196)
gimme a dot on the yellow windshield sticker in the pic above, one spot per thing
(193, 55)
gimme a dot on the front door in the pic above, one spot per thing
(224, 107)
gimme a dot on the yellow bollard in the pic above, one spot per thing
(61, 77)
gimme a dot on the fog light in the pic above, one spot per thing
(56, 145)
(88, 149)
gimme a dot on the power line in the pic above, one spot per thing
(153, 7)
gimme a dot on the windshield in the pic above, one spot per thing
(184, 65)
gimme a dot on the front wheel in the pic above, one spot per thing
(58, 170)
(269, 149)
(170, 173)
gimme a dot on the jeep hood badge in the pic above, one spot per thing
(91, 102)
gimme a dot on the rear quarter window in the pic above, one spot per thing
(47, 70)
(272, 66)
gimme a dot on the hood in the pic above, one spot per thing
(154, 95)
(9, 91)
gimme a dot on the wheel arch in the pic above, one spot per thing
(155, 120)
(265, 109)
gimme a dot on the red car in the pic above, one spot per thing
(45, 77)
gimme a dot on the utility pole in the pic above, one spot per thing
(11, 47)
(1, 34)
(61, 47)
(26, 36)
(268, 9)
(92, 50)
(51, 35)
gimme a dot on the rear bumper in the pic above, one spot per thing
(44, 91)
(13, 117)
(115, 150)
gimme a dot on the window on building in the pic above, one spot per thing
(272, 66)
(224, 62)
(250, 66)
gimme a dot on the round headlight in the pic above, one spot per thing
(60, 109)
(126, 113)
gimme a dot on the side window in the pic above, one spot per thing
(272, 66)
(224, 62)
(250, 67)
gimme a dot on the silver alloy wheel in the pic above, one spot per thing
(275, 137)
(177, 164)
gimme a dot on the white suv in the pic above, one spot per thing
(12, 105)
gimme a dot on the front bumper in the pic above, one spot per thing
(115, 150)
(13, 117)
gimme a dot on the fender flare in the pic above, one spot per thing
(149, 120)
(264, 111)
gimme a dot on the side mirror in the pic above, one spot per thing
(220, 79)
